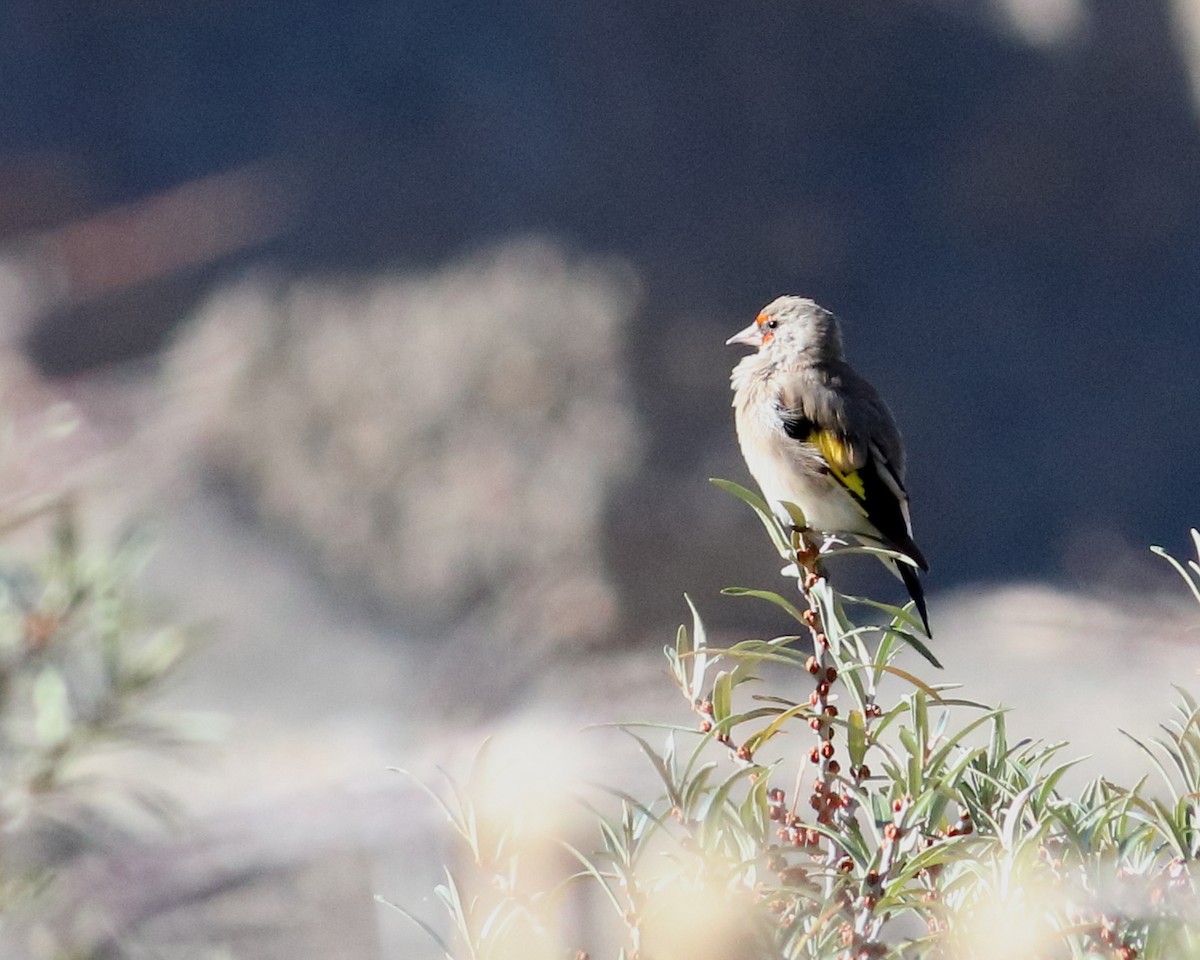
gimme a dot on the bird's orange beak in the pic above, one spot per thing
(752, 336)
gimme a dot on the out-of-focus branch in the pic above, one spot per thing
(188, 226)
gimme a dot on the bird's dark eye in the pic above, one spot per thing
(772, 324)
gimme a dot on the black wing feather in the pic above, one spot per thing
(886, 514)
(796, 425)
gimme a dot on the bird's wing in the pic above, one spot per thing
(864, 470)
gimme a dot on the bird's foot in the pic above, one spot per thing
(808, 554)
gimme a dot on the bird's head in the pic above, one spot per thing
(791, 327)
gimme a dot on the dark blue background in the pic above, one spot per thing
(1011, 233)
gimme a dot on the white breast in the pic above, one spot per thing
(789, 470)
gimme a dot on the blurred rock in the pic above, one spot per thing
(443, 447)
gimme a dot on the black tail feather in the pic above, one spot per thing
(913, 583)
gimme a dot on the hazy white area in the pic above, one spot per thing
(1043, 22)
(1187, 31)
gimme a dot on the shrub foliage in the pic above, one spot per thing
(79, 660)
(898, 819)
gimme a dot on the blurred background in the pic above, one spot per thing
(401, 325)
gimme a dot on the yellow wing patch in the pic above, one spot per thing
(840, 458)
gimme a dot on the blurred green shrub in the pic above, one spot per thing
(78, 661)
(897, 819)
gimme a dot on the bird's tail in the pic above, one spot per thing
(912, 583)
(908, 575)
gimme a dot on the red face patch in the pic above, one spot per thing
(767, 335)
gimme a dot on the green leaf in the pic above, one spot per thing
(1012, 818)
(767, 595)
(857, 737)
(918, 645)
(722, 696)
(899, 615)
(756, 740)
(699, 644)
(896, 671)
(52, 703)
(1193, 584)
(1167, 778)
(712, 819)
(417, 921)
(799, 520)
(774, 529)
(753, 812)
(660, 767)
(600, 878)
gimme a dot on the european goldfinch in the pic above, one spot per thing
(816, 434)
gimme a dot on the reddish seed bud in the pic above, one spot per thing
(815, 801)
(812, 665)
(891, 831)
(809, 617)
(827, 749)
(814, 755)
(813, 698)
(775, 795)
(705, 726)
(831, 674)
(834, 767)
(872, 878)
(812, 838)
(706, 707)
(819, 787)
(897, 805)
(743, 752)
(816, 723)
(782, 833)
(845, 865)
(831, 710)
(863, 772)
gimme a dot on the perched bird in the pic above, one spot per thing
(816, 434)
